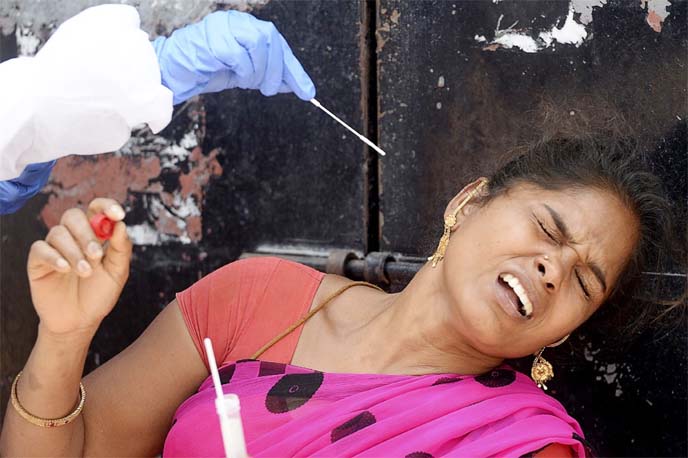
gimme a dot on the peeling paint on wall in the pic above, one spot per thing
(585, 8)
(157, 16)
(611, 373)
(571, 32)
(27, 41)
(163, 179)
(385, 27)
(656, 12)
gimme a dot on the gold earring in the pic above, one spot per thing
(559, 342)
(541, 371)
(449, 222)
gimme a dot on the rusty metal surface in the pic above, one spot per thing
(232, 172)
(446, 90)
(462, 82)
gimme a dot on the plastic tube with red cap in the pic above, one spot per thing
(102, 226)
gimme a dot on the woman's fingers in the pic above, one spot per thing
(118, 254)
(62, 240)
(74, 243)
(76, 221)
(44, 259)
(110, 207)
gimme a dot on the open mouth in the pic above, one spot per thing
(523, 302)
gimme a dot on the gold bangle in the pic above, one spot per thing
(46, 422)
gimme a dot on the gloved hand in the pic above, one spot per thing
(230, 49)
(15, 192)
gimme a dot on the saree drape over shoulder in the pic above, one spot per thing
(294, 411)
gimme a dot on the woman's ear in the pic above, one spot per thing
(468, 190)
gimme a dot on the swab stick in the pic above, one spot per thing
(361, 137)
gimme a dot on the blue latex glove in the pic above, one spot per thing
(15, 192)
(230, 49)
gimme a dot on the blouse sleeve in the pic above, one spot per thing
(243, 305)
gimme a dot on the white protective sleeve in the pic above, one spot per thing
(94, 80)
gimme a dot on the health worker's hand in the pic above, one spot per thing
(230, 49)
(75, 278)
(15, 192)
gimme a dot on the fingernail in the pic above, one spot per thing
(94, 249)
(83, 267)
(62, 263)
(117, 212)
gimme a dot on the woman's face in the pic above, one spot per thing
(532, 265)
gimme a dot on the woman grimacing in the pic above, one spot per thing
(526, 258)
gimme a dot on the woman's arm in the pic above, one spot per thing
(48, 388)
(133, 397)
(129, 400)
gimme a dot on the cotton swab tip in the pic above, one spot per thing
(372, 145)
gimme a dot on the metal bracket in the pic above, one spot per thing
(374, 267)
(381, 268)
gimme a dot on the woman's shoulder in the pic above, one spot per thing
(245, 303)
(266, 268)
(245, 286)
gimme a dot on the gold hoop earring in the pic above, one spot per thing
(449, 222)
(559, 342)
(541, 371)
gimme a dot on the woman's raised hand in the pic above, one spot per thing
(75, 277)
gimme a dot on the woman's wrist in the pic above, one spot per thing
(48, 393)
(76, 338)
(50, 382)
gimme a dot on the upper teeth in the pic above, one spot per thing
(520, 292)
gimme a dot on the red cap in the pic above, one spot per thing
(102, 226)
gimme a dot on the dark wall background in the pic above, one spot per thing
(277, 176)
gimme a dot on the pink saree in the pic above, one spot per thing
(293, 411)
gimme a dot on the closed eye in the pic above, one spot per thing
(551, 236)
(582, 285)
(548, 233)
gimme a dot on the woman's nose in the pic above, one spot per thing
(549, 273)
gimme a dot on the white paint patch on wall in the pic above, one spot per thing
(517, 40)
(571, 32)
(27, 42)
(585, 7)
(175, 210)
(143, 234)
(189, 141)
(658, 6)
(656, 12)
